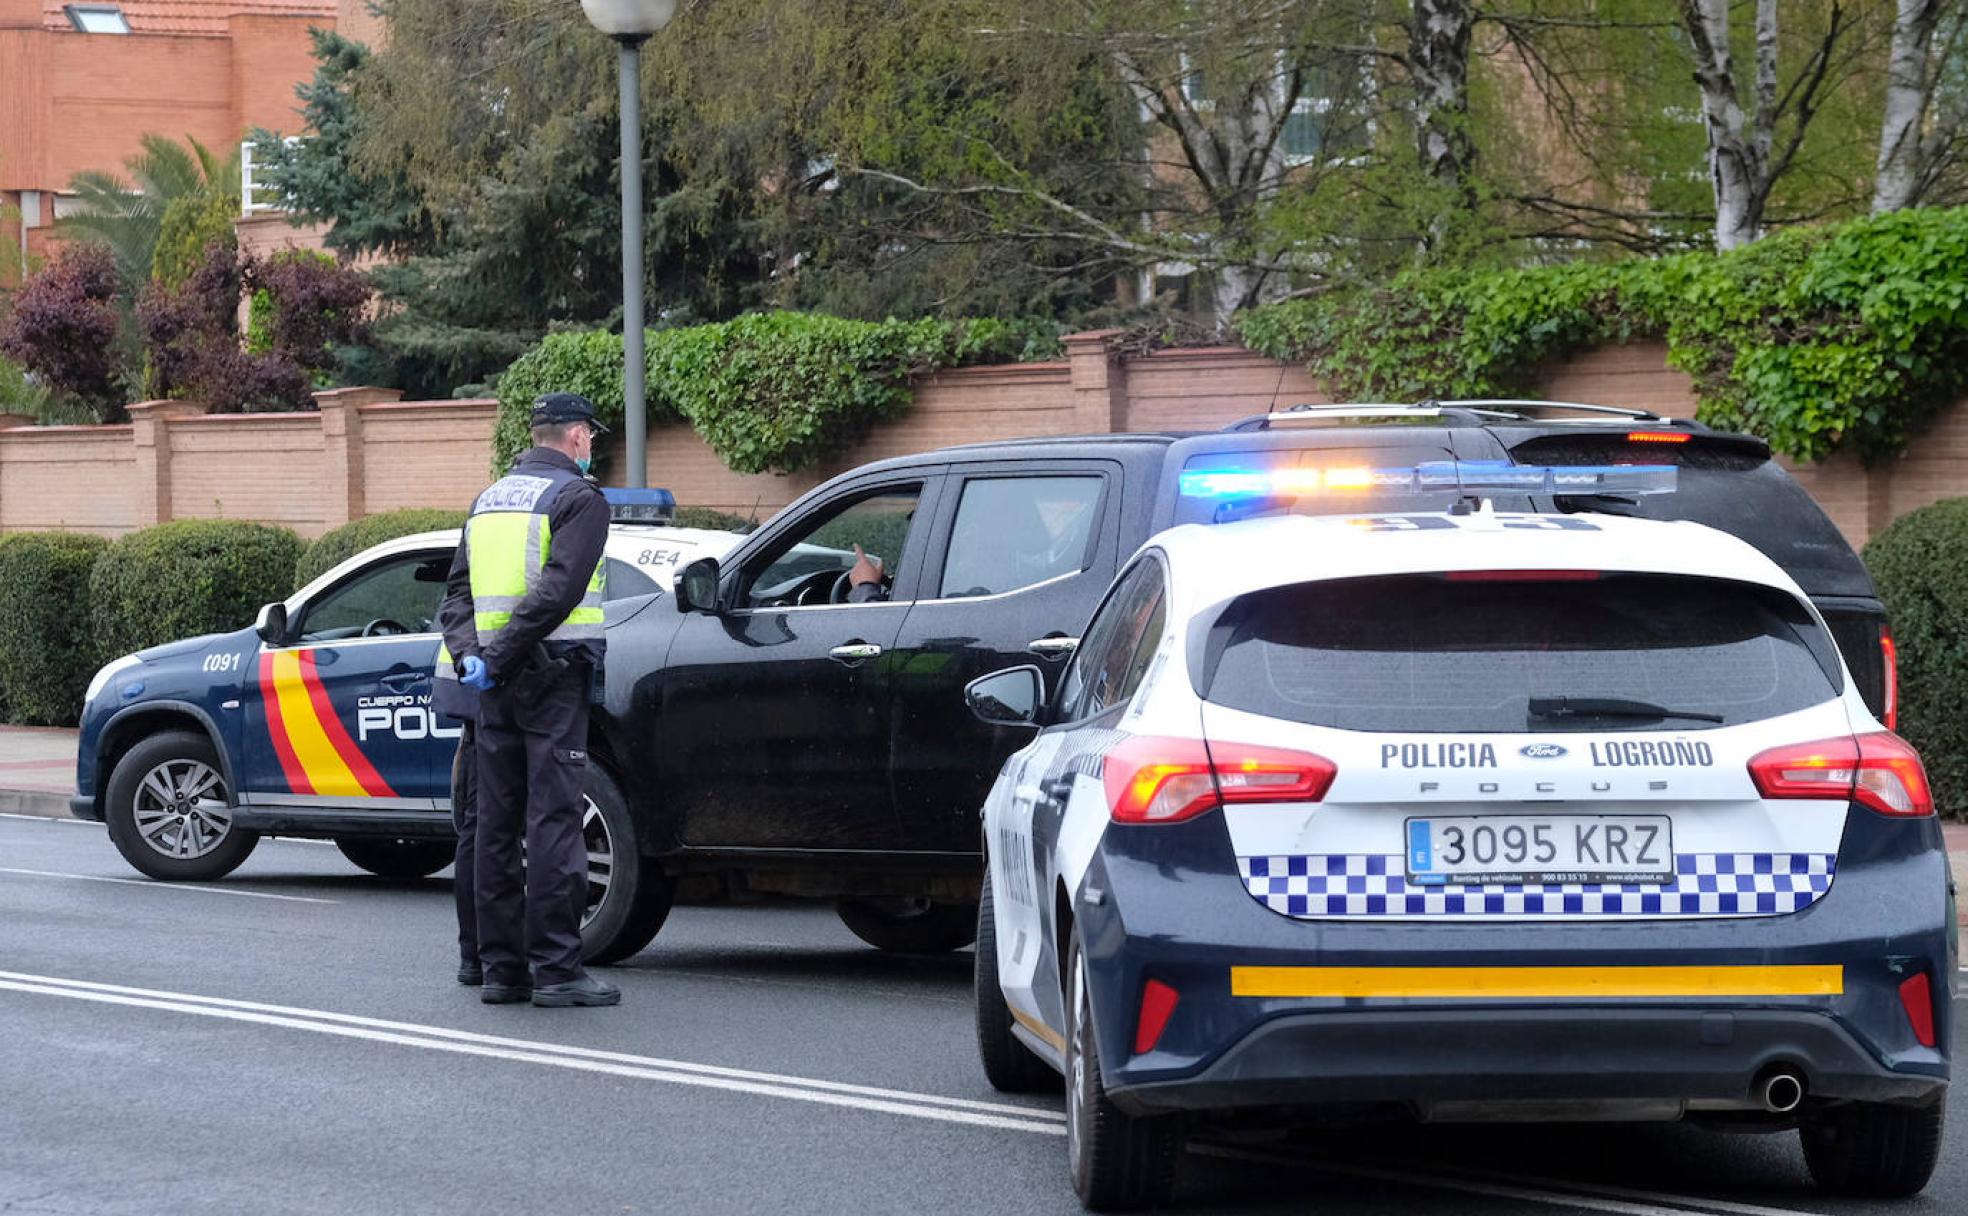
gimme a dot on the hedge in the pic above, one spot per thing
(1819, 339)
(769, 392)
(186, 578)
(46, 652)
(350, 539)
(1920, 563)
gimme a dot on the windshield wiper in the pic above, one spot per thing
(1611, 707)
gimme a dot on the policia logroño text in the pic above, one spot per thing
(523, 629)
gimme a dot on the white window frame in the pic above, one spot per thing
(79, 16)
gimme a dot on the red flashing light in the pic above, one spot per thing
(1916, 994)
(1158, 1002)
(1890, 653)
(1522, 576)
(1151, 779)
(1877, 769)
(1657, 437)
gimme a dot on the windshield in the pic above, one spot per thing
(1436, 653)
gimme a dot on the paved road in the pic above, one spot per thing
(290, 1041)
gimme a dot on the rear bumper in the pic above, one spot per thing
(309, 821)
(1421, 1057)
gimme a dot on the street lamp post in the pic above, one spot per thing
(630, 23)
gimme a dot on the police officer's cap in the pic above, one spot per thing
(552, 409)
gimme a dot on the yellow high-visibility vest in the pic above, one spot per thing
(508, 540)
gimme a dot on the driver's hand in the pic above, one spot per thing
(865, 569)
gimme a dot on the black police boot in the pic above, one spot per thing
(497, 993)
(470, 974)
(585, 991)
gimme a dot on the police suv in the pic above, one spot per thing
(1468, 814)
(317, 721)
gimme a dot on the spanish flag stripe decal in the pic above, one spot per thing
(327, 772)
(290, 764)
(364, 773)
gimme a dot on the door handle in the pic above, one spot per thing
(405, 679)
(854, 652)
(1057, 789)
(1052, 648)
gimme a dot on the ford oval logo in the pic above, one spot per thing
(1541, 751)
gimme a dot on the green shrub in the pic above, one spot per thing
(352, 538)
(187, 578)
(46, 653)
(1920, 564)
(718, 521)
(776, 391)
(188, 227)
(1823, 339)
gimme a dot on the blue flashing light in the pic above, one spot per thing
(1431, 478)
(626, 506)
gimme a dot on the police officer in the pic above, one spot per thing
(531, 565)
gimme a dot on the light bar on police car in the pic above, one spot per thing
(1432, 477)
(626, 506)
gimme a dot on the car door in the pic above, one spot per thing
(339, 714)
(776, 708)
(1022, 554)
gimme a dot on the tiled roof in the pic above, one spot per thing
(198, 18)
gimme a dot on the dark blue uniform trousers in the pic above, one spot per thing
(532, 742)
(464, 817)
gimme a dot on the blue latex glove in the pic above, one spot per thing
(475, 675)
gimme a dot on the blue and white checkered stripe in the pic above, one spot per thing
(1705, 884)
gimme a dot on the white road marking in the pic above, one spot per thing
(1591, 1198)
(156, 885)
(439, 1038)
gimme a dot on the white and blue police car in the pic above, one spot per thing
(1467, 815)
(317, 721)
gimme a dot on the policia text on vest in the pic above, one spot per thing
(531, 567)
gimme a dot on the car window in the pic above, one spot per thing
(393, 597)
(1099, 677)
(1013, 532)
(624, 580)
(1429, 653)
(802, 567)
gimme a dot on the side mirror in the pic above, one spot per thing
(1007, 698)
(271, 624)
(696, 586)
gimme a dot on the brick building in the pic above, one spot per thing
(82, 82)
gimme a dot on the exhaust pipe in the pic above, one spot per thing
(1779, 1091)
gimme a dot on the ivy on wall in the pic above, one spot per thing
(1820, 340)
(769, 392)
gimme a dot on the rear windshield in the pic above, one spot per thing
(1205, 508)
(1425, 653)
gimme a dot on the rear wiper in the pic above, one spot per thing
(1611, 707)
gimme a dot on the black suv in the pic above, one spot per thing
(766, 732)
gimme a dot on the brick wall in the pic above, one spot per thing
(366, 452)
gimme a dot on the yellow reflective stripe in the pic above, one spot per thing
(1517, 982)
(496, 546)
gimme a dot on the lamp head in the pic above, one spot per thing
(635, 19)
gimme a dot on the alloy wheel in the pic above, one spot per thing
(181, 810)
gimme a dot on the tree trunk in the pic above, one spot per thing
(1896, 182)
(1438, 57)
(1738, 159)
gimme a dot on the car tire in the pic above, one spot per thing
(1119, 1162)
(168, 813)
(910, 926)
(1009, 1065)
(636, 896)
(1877, 1150)
(388, 858)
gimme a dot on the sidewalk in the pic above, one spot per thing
(37, 770)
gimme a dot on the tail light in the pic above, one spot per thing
(1877, 769)
(1917, 998)
(1158, 1001)
(1657, 437)
(1889, 655)
(1151, 779)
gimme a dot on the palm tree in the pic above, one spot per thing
(127, 220)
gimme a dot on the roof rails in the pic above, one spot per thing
(1457, 412)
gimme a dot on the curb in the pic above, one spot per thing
(34, 802)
